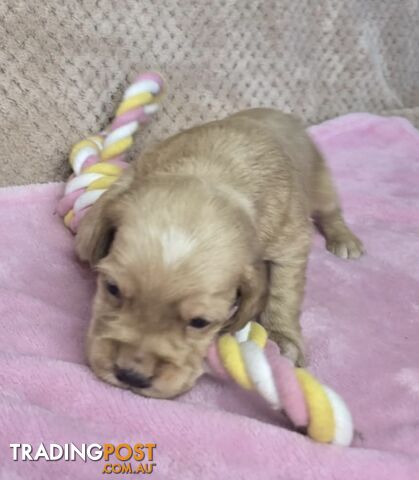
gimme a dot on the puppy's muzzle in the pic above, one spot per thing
(132, 378)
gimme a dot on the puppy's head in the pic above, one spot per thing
(177, 263)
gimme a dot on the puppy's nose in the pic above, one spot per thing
(132, 378)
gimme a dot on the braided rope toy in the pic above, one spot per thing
(310, 406)
(98, 161)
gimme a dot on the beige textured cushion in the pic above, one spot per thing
(64, 65)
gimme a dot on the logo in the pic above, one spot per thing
(122, 458)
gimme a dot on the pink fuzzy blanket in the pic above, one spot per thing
(360, 320)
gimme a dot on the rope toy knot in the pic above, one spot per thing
(98, 161)
(310, 405)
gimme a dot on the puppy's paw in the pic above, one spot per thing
(345, 245)
(292, 349)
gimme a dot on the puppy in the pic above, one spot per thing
(204, 232)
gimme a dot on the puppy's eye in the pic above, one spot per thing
(198, 322)
(113, 289)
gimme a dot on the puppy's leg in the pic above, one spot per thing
(328, 217)
(282, 313)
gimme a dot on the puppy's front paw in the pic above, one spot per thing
(345, 245)
(292, 349)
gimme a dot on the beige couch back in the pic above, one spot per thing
(64, 65)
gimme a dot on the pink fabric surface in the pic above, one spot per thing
(360, 322)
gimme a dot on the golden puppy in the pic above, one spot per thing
(204, 232)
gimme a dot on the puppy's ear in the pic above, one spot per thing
(253, 292)
(98, 227)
